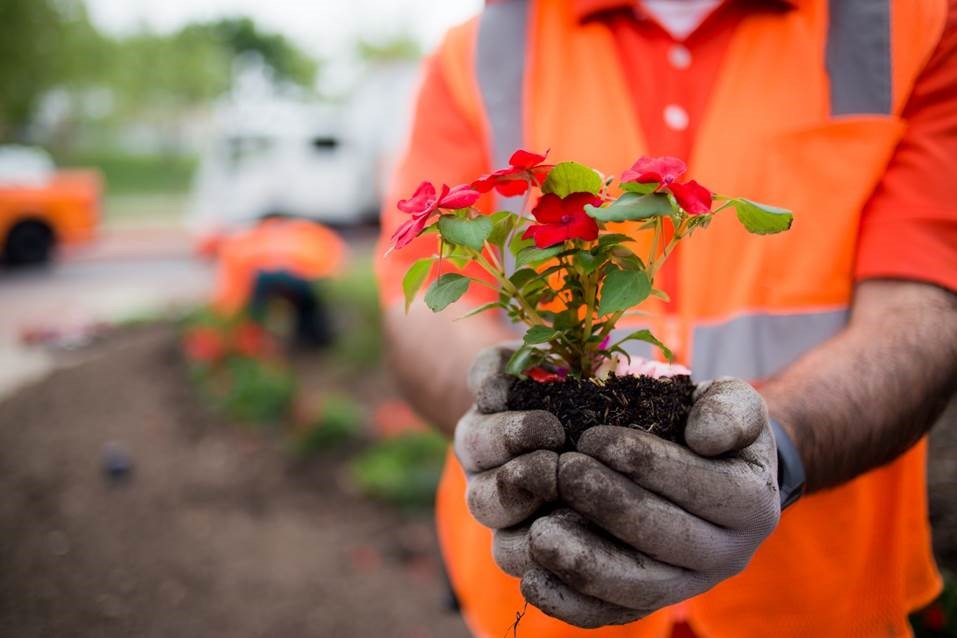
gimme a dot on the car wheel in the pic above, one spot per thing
(29, 243)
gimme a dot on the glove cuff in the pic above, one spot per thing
(791, 476)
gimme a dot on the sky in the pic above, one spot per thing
(323, 27)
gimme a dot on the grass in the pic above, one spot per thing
(355, 294)
(404, 470)
(130, 174)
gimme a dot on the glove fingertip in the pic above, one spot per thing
(489, 362)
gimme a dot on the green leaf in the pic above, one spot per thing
(632, 206)
(464, 231)
(518, 244)
(622, 290)
(647, 337)
(611, 239)
(523, 359)
(530, 255)
(571, 177)
(587, 261)
(444, 290)
(503, 223)
(481, 309)
(661, 294)
(762, 219)
(414, 278)
(641, 189)
(540, 334)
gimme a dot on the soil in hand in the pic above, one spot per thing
(659, 406)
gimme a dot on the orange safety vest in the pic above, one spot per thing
(297, 246)
(805, 115)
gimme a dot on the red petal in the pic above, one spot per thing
(421, 200)
(549, 209)
(483, 184)
(542, 375)
(512, 187)
(576, 202)
(540, 173)
(549, 235)
(692, 196)
(582, 227)
(655, 169)
(526, 159)
(408, 230)
(460, 197)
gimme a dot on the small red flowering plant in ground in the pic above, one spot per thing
(557, 269)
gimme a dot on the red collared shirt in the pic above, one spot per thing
(909, 227)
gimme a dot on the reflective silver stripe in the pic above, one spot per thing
(500, 70)
(858, 56)
(759, 345)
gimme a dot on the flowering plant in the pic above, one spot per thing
(556, 268)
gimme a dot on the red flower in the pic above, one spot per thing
(251, 340)
(542, 375)
(663, 170)
(563, 219)
(423, 203)
(525, 168)
(204, 345)
(692, 196)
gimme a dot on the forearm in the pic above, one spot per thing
(430, 355)
(866, 396)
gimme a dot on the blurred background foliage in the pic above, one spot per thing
(48, 44)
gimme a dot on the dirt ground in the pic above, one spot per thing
(215, 534)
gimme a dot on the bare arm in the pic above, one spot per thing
(430, 355)
(867, 395)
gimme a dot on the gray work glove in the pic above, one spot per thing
(510, 458)
(651, 523)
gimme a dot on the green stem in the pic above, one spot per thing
(533, 317)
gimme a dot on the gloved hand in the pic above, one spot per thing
(653, 522)
(510, 457)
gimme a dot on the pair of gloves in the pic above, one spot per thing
(639, 522)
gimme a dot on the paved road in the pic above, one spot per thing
(128, 272)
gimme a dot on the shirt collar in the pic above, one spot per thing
(590, 8)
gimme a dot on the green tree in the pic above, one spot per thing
(241, 35)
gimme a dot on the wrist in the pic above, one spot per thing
(791, 474)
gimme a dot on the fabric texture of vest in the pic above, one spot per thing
(805, 115)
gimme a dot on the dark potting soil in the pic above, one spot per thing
(659, 406)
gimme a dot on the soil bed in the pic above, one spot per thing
(659, 406)
(215, 533)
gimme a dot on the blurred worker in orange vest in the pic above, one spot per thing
(280, 258)
(844, 111)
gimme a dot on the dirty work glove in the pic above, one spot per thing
(652, 522)
(509, 457)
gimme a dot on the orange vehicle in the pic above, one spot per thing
(42, 208)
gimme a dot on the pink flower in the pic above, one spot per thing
(648, 170)
(694, 198)
(425, 201)
(525, 168)
(562, 219)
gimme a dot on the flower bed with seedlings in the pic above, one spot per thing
(558, 268)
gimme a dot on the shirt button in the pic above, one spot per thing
(679, 56)
(676, 118)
